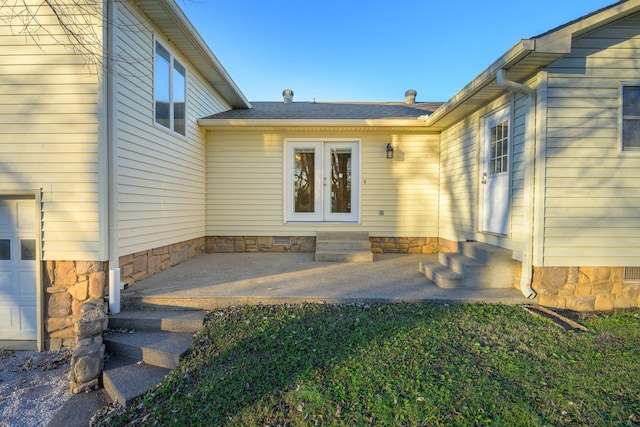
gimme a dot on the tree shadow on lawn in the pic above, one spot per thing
(242, 361)
(282, 365)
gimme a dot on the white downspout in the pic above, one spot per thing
(529, 151)
(114, 262)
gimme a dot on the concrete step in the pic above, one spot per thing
(342, 235)
(162, 349)
(484, 253)
(343, 247)
(461, 264)
(158, 320)
(441, 275)
(343, 256)
(124, 379)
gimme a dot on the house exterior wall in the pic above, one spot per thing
(50, 107)
(592, 192)
(245, 184)
(160, 174)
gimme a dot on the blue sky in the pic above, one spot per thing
(356, 50)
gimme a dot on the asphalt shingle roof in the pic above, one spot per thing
(329, 110)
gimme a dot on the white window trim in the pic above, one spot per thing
(173, 57)
(621, 149)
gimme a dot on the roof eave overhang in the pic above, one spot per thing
(416, 123)
(171, 20)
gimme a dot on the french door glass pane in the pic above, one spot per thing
(340, 180)
(304, 179)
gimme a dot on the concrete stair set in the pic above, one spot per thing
(475, 266)
(143, 347)
(343, 247)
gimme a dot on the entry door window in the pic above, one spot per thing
(322, 183)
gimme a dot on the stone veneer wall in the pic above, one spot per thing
(76, 315)
(379, 245)
(584, 288)
(229, 244)
(405, 245)
(143, 264)
(69, 285)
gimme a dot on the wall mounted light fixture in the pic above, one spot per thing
(390, 150)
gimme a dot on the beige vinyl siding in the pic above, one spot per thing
(518, 165)
(459, 173)
(245, 184)
(458, 180)
(160, 174)
(592, 191)
(49, 134)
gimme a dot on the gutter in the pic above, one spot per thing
(529, 158)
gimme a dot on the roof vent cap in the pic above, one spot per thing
(287, 96)
(410, 96)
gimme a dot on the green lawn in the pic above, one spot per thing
(400, 364)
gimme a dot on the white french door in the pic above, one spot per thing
(322, 181)
(494, 188)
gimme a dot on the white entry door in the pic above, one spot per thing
(494, 188)
(322, 181)
(18, 313)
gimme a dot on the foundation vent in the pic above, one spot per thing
(282, 241)
(632, 274)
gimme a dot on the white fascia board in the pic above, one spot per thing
(214, 123)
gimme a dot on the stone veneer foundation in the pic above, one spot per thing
(379, 245)
(229, 244)
(143, 264)
(405, 245)
(584, 288)
(76, 316)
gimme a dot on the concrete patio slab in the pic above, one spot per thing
(214, 280)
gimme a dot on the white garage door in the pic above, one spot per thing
(18, 314)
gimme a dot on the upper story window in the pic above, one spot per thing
(170, 90)
(630, 118)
